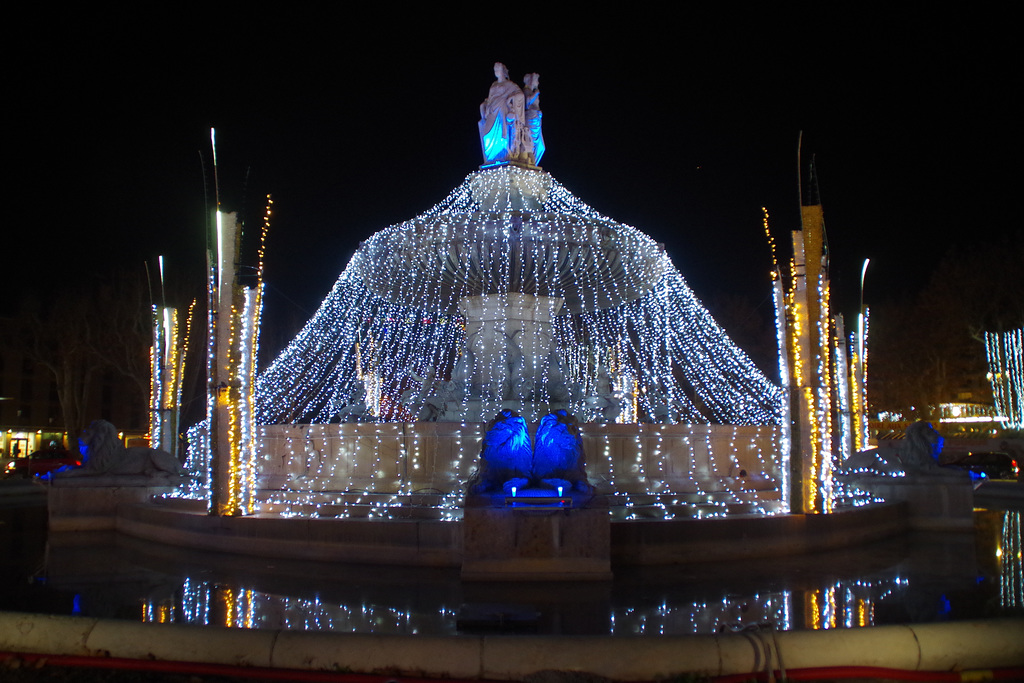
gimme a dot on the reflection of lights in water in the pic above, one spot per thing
(246, 608)
(842, 604)
(731, 613)
(1011, 575)
(856, 608)
(158, 613)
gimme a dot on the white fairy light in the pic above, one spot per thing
(393, 328)
(403, 285)
(1005, 352)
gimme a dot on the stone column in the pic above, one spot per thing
(510, 338)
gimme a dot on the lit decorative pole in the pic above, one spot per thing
(809, 335)
(234, 319)
(167, 367)
(843, 380)
(859, 372)
(786, 406)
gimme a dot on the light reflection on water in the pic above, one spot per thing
(916, 578)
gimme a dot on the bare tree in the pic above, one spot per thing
(81, 333)
(929, 349)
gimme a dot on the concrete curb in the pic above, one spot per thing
(947, 646)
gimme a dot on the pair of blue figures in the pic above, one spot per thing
(554, 463)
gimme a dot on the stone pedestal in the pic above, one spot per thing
(934, 503)
(536, 544)
(512, 189)
(81, 505)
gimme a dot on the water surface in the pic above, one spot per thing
(913, 578)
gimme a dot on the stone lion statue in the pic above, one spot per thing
(918, 454)
(556, 460)
(106, 455)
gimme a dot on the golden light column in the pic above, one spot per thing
(234, 333)
(809, 336)
(167, 369)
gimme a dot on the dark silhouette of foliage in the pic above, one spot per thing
(929, 349)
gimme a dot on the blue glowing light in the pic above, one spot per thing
(507, 448)
(495, 143)
(533, 121)
(558, 450)
(945, 607)
(556, 461)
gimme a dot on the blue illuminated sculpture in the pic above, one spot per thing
(531, 84)
(504, 136)
(506, 459)
(558, 454)
(508, 465)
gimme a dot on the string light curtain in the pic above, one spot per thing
(393, 316)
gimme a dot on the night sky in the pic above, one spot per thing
(682, 128)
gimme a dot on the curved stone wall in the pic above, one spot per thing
(438, 457)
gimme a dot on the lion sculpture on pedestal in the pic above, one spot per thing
(917, 455)
(105, 455)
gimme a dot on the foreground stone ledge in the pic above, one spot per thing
(949, 646)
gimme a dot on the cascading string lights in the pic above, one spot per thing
(662, 328)
(396, 327)
(1005, 352)
(780, 298)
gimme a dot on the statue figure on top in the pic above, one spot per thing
(504, 136)
(531, 90)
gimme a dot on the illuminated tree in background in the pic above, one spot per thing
(622, 322)
(930, 348)
(1006, 371)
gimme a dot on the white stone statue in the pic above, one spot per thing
(520, 381)
(431, 409)
(106, 456)
(355, 408)
(917, 455)
(662, 407)
(462, 373)
(450, 395)
(558, 390)
(658, 400)
(605, 405)
(414, 399)
(531, 91)
(503, 133)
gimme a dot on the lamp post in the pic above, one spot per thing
(860, 371)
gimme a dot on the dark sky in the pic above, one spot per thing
(683, 128)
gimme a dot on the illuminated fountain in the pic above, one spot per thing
(513, 294)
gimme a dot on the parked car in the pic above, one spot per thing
(988, 465)
(41, 462)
